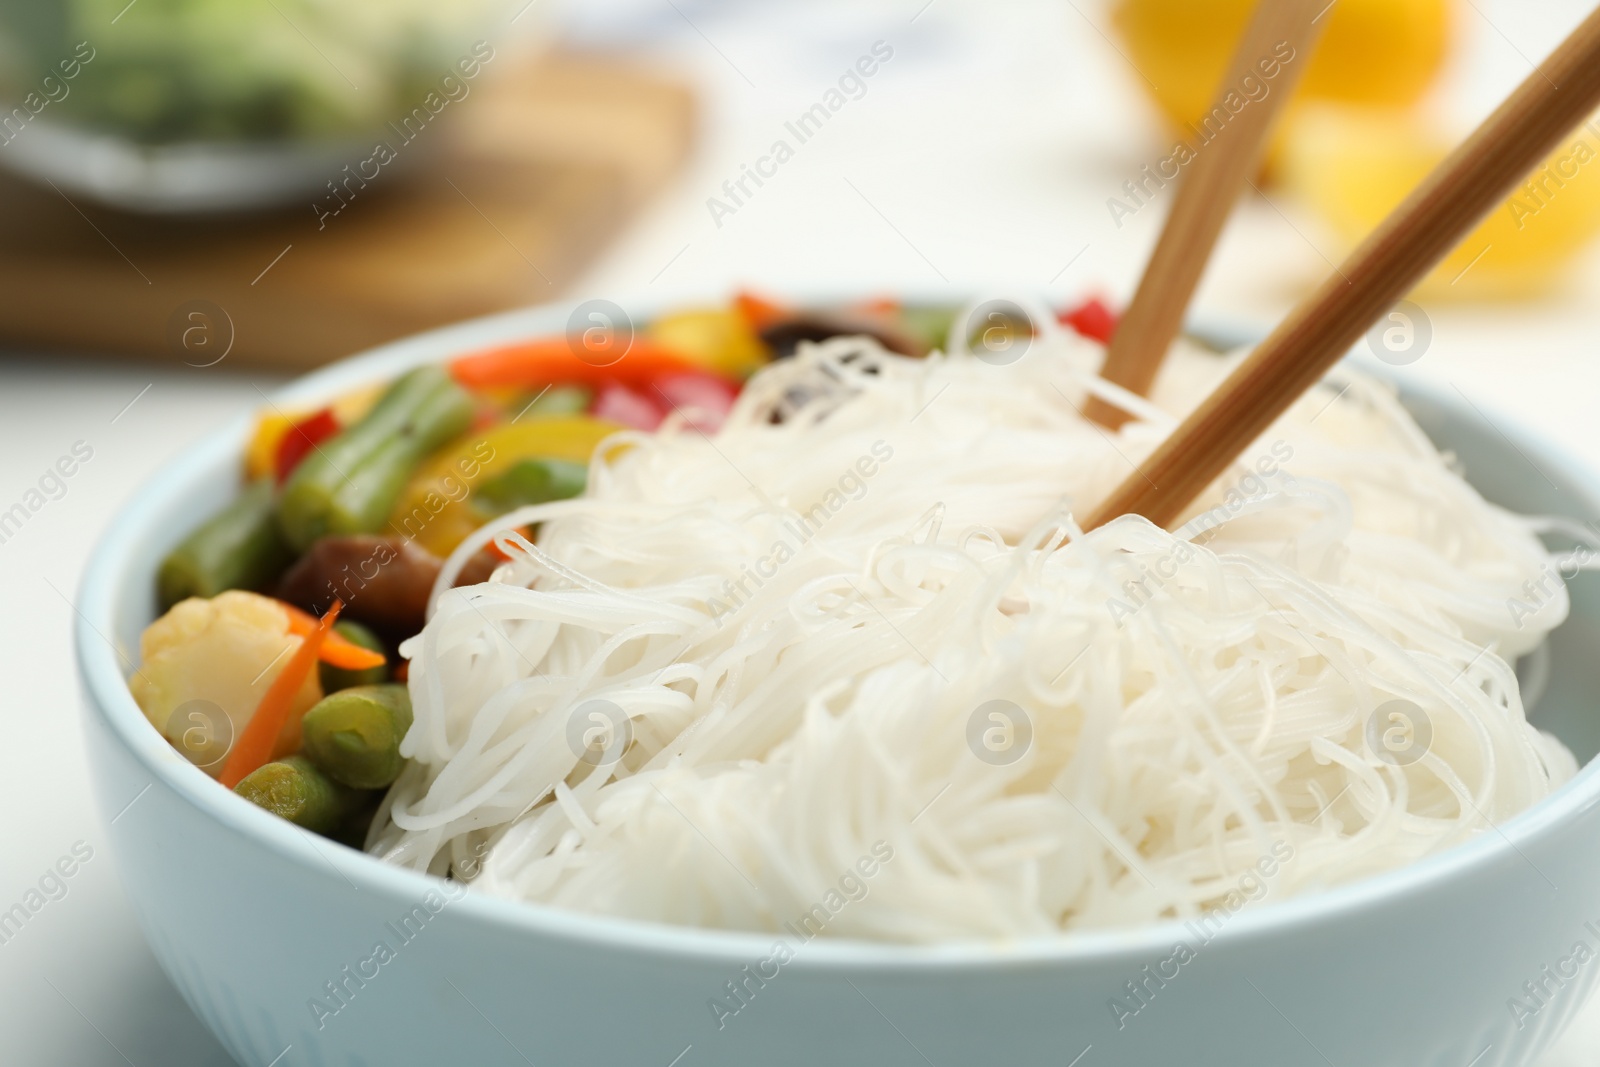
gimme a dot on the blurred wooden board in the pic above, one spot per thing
(497, 205)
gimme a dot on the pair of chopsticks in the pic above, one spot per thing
(1419, 233)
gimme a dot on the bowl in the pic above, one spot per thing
(295, 950)
(180, 179)
(206, 108)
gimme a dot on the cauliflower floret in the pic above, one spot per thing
(227, 651)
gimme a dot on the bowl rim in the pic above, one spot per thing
(107, 575)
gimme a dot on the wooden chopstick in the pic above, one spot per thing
(1207, 192)
(1411, 241)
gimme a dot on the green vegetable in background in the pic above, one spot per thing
(169, 71)
(928, 323)
(557, 401)
(337, 678)
(238, 548)
(354, 735)
(294, 789)
(33, 38)
(530, 481)
(350, 484)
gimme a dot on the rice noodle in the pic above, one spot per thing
(802, 616)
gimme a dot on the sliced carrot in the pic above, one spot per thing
(554, 361)
(337, 650)
(260, 735)
(300, 622)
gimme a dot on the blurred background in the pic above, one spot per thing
(199, 199)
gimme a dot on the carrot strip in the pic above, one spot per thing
(255, 744)
(300, 622)
(552, 361)
(337, 650)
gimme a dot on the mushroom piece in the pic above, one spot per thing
(383, 581)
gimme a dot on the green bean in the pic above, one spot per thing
(929, 323)
(557, 401)
(530, 481)
(337, 678)
(295, 789)
(354, 735)
(349, 485)
(239, 547)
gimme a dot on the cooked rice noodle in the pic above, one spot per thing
(804, 617)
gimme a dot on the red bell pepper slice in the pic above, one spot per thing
(1092, 319)
(618, 403)
(298, 441)
(703, 399)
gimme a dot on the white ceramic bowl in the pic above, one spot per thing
(253, 918)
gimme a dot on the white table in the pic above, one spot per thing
(980, 154)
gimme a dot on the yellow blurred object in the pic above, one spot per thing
(261, 455)
(1370, 52)
(353, 406)
(435, 508)
(1354, 165)
(719, 340)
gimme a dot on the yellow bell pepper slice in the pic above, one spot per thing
(261, 454)
(720, 340)
(435, 509)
